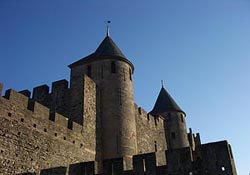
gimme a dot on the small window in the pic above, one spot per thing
(89, 71)
(223, 168)
(64, 138)
(55, 134)
(34, 125)
(22, 120)
(70, 124)
(9, 114)
(81, 145)
(173, 135)
(130, 74)
(45, 130)
(155, 146)
(113, 67)
(73, 142)
(52, 116)
(19, 133)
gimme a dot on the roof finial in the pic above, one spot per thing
(108, 22)
(162, 84)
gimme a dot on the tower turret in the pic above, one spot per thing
(174, 120)
(112, 73)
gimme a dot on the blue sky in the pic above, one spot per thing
(199, 48)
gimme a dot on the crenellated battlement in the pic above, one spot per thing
(179, 162)
(57, 100)
(144, 115)
(32, 111)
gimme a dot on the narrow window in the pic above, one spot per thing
(22, 120)
(9, 114)
(73, 142)
(113, 67)
(45, 130)
(144, 165)
(70, 124)
(52, 116)
(155, 146)
(130, 74)
(55, 134)
(64, 138)
(89, 70)
(173, 135)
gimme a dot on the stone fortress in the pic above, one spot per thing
(93, 126)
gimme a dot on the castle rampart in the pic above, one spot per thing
(150, 134)
(95, 127)
(30, 140)
(180, 162)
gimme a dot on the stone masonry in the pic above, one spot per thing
(91, 125)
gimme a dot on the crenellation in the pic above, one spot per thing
(25, 92)
(59, 85)
(40, 93)
(144, 164)
(95, 127)
(17, 98)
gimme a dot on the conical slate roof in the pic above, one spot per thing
(105, 50)
(165, 103)
(108, 48)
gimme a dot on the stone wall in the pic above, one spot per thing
(115, 114)
(150, 135)
(31, 141)
(180, 162)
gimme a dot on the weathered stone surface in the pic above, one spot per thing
(95, 127)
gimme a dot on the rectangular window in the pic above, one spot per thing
(113, 67)
(155, 146)
(89, 71)
(173, 135)
(70, 124)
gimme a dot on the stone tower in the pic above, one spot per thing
(174, 124)
(112, 73)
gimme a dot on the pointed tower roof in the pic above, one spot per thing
(165, 103)
(108, 48)
(105, 50)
